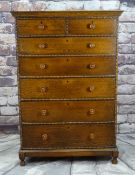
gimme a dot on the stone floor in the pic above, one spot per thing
(9, 162)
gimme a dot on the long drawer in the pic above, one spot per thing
(67, 66)
(67, 45)
(68, 136)
(67, 111)
(92, 26)
(67, 88)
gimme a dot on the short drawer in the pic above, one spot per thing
(68, 136)
(92, 26)
(67, 111)
(67, 66)
(40, 27)
(67, 88)
(67, 45)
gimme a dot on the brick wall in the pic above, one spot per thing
(8, 67)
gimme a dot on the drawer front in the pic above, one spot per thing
(69, 66)
(92, 26)
(67, 88)
(41, 26)
(68, 136)
(67, 111)
(67, 45)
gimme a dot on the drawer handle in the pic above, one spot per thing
(91, 88)
(91, 111)
(43, 46)
(91, 26)
(44, 112)
(42, 27)
(91, 66)
(91, 136)
(44, 89)
(91, 45)
(44, 137)
(43, 66)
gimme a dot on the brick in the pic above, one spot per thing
(8, 81)
(127, 27)
(5, 70)
(127, 69)
(13, 100)
(7, 17)
(56, 5)
(95, 5)
(110, 5)
(21, 6)
(125, 48)
(133, 48)
(124, 38)
(126, 59)
(11, 61)
(9, 120)
(6, 28)
(126, 99)
(126, 89)
(131, 118)
(39, 6)
(7, 39)
(74, 5)
(3, 60)
(133, 38)
(122, 118)
(12, 50)
(126, 128)
(126, 109)
(4, 50)
(5, 6)
(127, 16)
(124, 6)
(7, 110)
(8, 91)
(3, 101)
(126, 79)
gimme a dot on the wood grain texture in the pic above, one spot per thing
(67, 45)
(67, 66)
(67, 111)
(67, 88)
(62, 136)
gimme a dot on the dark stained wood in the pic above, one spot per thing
(92, 26)
(67, 45)
(41, 27)
(64, 136)
(67, 88)
(67, 111)
(67, 66)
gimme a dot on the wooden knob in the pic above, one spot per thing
(44, 112)
(91, 88)
(44, 89)
(41, 26)
(91, 136)
(44, 137)
(42, 46)
(91, 26)
(91, 66)
(91, 111)
(43, 66)
(90, 45)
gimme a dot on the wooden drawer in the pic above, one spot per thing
(41, 26)
(67, 88)
(67, 111)
(68, 136)
(92, 26)
(67, 45)
(67, 66)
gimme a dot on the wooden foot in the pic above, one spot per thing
(22, 158)
(114, 157)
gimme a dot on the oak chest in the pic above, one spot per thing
(67, 73)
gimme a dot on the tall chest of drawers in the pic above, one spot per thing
(67, 75)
